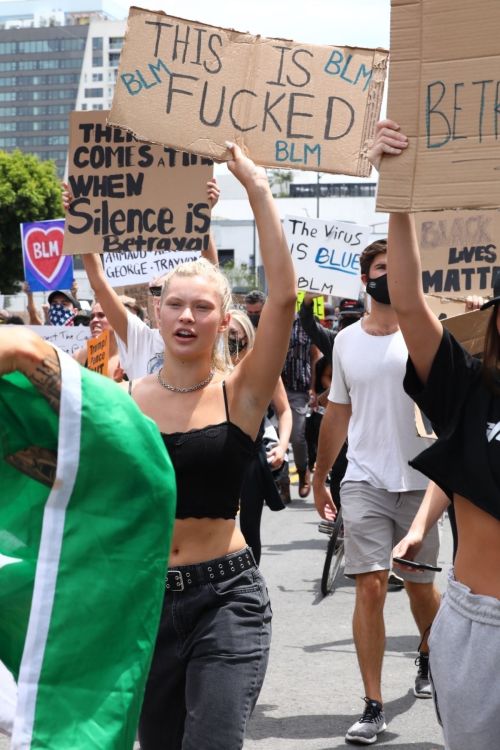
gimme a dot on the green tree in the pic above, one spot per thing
(29, 191)
(241, 277)
(281, 179)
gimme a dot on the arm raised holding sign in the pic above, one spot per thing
(461, 396)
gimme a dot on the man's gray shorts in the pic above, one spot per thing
(374, 521)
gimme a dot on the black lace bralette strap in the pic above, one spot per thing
(225, 400)
(130, 387)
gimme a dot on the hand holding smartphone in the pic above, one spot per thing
(417, 565)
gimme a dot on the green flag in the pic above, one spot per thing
(82, 564)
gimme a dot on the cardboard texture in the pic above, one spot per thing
(124, 269)
(469, 329)
(132, 196)
(460, 252)
(193, 87)
(444, 92)
(326, 254)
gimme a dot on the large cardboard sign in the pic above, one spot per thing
(460, 251)
(326, 254)
(126, 269)
(45, 266)
(132, 196)
(67, 338)
(193, 87)
(444, 91)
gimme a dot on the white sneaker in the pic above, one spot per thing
(371, 724)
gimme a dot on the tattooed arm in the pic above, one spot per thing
(26, 352)
(31, 355)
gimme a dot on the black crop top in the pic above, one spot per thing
(210, 465)
(465, 459)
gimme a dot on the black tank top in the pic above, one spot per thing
(210, 465)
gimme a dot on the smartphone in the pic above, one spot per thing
(417, 565)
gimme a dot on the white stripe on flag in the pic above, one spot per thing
(68, 452)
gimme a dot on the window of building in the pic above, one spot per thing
(115, 42)
(93, 93)
(97, 106)
(97, 42)
(84, 107)
(97, 76)
(97, 61)
(114, 59)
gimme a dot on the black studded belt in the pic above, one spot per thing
(211, 571)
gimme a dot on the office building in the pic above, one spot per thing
(52, 62)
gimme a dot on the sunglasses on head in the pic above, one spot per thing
(155, 291)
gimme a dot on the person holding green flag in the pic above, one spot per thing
(86, 514)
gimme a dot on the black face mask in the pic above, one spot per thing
(254, 317)
(236, 345)
(378, 289)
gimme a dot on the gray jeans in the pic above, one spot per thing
(464, 649)
(209, 665)
(298, 403)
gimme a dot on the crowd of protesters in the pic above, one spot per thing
(230, 388)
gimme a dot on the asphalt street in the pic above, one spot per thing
(312, 692)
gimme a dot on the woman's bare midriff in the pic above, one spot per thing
(477, 563)
(198, 539)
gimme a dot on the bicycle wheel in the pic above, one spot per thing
(334, 556)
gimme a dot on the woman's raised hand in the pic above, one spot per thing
(388, 140)
(244, 168)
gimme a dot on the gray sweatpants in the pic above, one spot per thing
(465, 668)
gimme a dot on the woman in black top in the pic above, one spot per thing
(461, 396)
(213, 643)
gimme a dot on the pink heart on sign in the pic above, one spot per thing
(44, 249)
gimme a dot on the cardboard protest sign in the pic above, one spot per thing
(469, 329)
(131, 196)
(45, 266)
(193, 87)
(326, 254)
(318, 305)
(67, 338)
(444, 307)
(444, 92)
(98, 353)
(124, 269)
(460, 251)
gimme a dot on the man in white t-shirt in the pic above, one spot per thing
(380, 492)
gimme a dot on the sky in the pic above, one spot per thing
(357, 23)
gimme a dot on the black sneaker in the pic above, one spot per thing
(422, 687)
(372, 723)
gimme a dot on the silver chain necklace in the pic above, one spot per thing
(190, 389)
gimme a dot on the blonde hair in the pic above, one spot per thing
(221, 359)
(241, 318)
